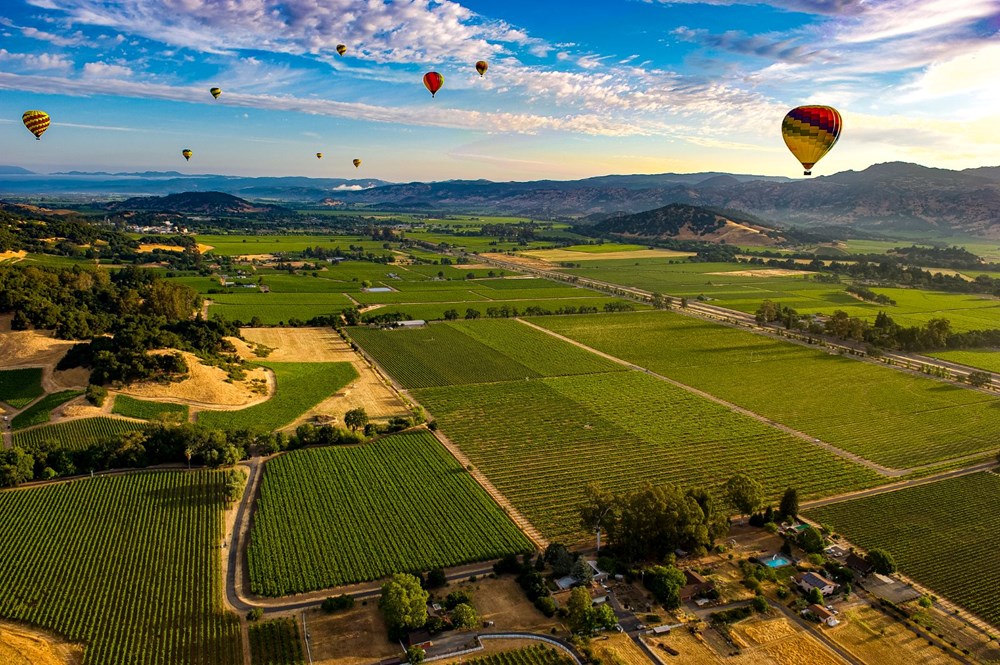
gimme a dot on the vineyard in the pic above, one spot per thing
(77, 434)
(541, 441)
(275, 643)
(474, 352)
(146, 410)
(333, 516)
(985, 359)
(40, 412)
(942, 534)
(19, 387)
(536, 655)
(890, 417)
(128, 565)
(301, 386)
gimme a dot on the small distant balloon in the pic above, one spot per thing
(481, 67)
(319, 155)
(357, 163)
(433, 82)
(36, 122)
(187, 154)
(810, 132)
(216, 92)
(341, 49)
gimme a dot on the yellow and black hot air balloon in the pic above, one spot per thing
(433, 82)
(319, 155)
(36, 122)
(357, 163)
(187, 154)
(341, 49)
(216, 92)
(810, 132)
(481, 67)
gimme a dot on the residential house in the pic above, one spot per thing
(695, 584)
(823, 614)
(809, 581)
(859, 565)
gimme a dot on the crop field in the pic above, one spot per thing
(77, 434)
(435, 311)
(605, 248)
(986, 359)
(887, 416)
(128, 565)
(237, 245)
(20, 387)
(301, 386)
(942, 534)
(147, 410)
(474, 352)
(332, 516)
(40, 412)
(275, 642)
(273, 308)
(534, 655)
(541, 441)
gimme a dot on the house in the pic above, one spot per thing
(695, 584)
(598, 574)
(824, 615)
(419, 638)
(809, 581)
(859, 565)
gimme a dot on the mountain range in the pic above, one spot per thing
(885, 197)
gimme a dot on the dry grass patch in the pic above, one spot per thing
(876, 638)
(206, 386)
(763, 272)
(21, 646)
(691, 649)
(12, 256)
(356, 637)
(558, 255)
(619, 649)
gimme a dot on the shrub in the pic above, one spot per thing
(96, 394)
(338, 603)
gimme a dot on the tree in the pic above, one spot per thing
(450, 314)
(464, 617)
(415, 655)
(665, 582)
(811, 540)
(96, 394)
(979, 379)
(789, 506)
(760, 605)
(745, 494)
(436, 578)
(597, 507)
(559, 558)
(603, 617)
(815, 596)
(580, 617)
(471, 313)
(882, 561)
(356, 419)
(337, 603)
(582, 572)
(255, 614)
(403, 602)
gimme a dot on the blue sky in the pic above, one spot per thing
(574, 88)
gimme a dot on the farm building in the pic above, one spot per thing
(415, 323)
(823, 614)
(809, 581)
(859, 565)
(695, 584)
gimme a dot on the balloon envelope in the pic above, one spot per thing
(216, 92)
(357, 163)
(319, 155)
(433, 82)
(36, 122)
(187, 154)
(341, 49)
(810, 132)
(482, 66)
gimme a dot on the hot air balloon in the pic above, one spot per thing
(36, 122)
(482, 66)
(341, 49)
(433, 82)
(810, 132)
(216, 92)
(187, 154)
(357, 163)
(319, 155)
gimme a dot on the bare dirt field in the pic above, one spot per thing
(557, 255)
(12, 256)
(763, 272)
(33, 348)
(503, 602)
(21, 646)
(875, 638)
(207, 387)
(325, 345)
(355, 637)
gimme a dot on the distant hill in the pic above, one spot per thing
(206, 203)
(14, 170)
(679, 221)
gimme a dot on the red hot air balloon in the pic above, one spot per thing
(433, 82)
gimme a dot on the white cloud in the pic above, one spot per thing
(39, 61)
(102, 70)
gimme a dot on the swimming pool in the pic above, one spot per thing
(776, 561)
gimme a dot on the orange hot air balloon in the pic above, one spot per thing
(216, 92)
(810, 132)
(481, 67)
(187, 154)
(341, 49)
(433, 82)
(357, 163)
(36, 122)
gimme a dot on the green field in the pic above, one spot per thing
(942, 534)
(77, 434)
(541, 441)
(40, 412)
(236, 245)
(275, 642)
(301, 386)
(128, 565)
(275, 308)
(987, 359)
(333, 516)
(435, 311)
(887, 416)
(474, 352)
(147, 410)
(535, 655)
(20, 387)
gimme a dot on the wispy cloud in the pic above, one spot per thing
(829, 7)
(36, 61)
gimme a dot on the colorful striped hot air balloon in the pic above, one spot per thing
(36, 122)
(810, 132)
(187, 154)
(341, 49)
(357, 163)
(433, 82)
(481, 67)
(216, 92)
